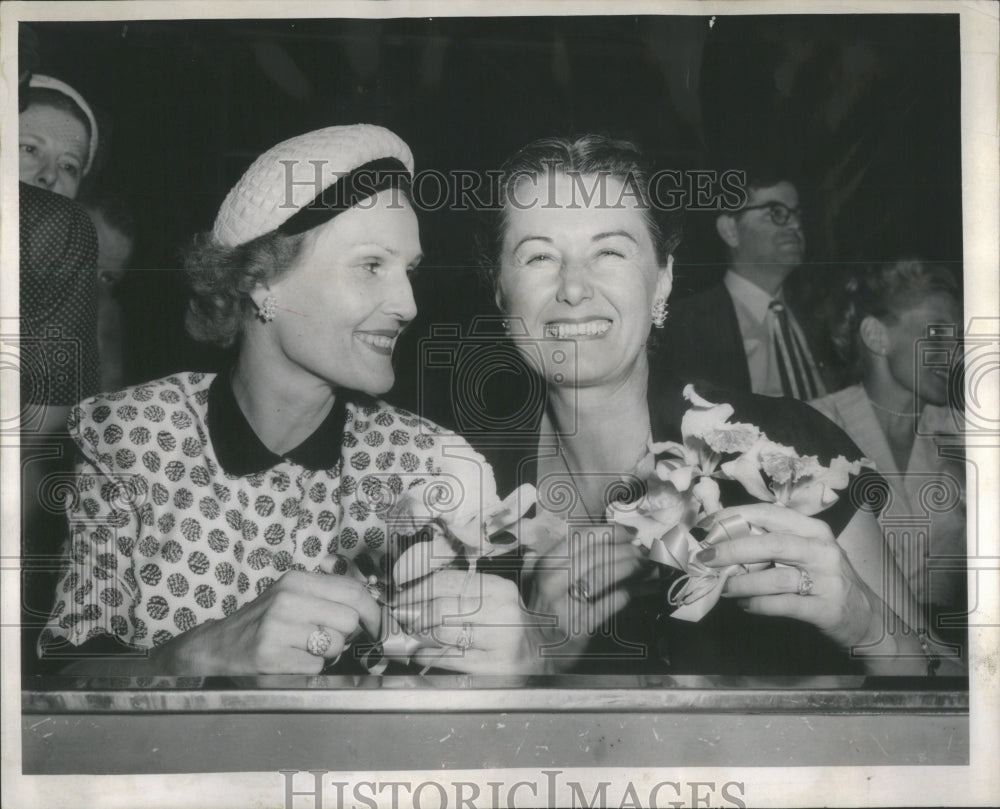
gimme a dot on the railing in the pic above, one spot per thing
(166, 725)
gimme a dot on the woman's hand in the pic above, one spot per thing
(816, 583)
(270, 635)
(474, 623)
(578, 586)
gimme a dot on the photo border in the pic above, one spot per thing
(977, 784)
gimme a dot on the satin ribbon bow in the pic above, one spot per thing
(699, 589)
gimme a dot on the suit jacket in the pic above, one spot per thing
(701, 339)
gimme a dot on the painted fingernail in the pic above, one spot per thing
(706, 555)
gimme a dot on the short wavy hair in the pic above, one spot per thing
(222, 279)
(587, 154)
(884, 291)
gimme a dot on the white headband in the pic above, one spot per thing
(47, 82)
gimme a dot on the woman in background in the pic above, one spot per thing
(901, 408)
(57, 137)
(57, 144)
(58, 309)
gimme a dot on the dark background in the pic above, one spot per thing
(863, 109)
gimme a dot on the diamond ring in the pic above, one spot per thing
(319, 641)
(580, 591)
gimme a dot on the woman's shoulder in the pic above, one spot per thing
(834, 405)
(784, 420)
(365, 411)
(390, 439)
(106, 417)
(378, 423)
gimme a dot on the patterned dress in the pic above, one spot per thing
(179, 514)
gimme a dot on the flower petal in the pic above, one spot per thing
(746, 470)
(421, 559)
(506, 514)
(706, 490)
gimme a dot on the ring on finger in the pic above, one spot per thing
(319, 642)
(580, 590)
(464, 641)
(805, 583)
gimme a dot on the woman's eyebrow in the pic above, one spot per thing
(532, 239)
(609, 234)
(390, 250)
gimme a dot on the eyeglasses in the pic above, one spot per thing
(780, 214)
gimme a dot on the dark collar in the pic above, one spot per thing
(667, 405)
(241, 452)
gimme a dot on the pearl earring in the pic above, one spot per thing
(659, 312)
(268, 309)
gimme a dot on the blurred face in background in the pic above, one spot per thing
(114, 248)
(54, 147)
(767, 236)
(904, 365)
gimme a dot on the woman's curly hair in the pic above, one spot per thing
(884, 291)
(222, 278)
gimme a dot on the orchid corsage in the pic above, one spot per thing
(456, 519)
(681, 493)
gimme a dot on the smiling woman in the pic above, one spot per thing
(892, 317)
(236, 523)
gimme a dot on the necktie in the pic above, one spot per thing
(798, 374)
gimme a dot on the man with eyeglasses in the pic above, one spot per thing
(741, 333)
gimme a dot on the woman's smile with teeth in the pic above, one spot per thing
(380, 342)
(588, 328)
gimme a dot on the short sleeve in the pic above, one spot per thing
(97, 590)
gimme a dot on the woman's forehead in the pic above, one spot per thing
(930, 305)
(53, 122)
(574, 203)
(385, 217)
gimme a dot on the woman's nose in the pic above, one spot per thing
(45, 175)
(401, 302)
(574, 283)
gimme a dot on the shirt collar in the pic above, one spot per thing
(754, 299)
(241, 452)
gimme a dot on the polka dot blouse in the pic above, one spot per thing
(58, 280)
(180, 515)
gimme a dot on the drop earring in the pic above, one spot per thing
(268, 309)
(659, 312)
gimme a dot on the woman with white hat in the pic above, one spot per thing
(57, 136)
(231, 523)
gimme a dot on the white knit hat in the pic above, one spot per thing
(273, 189)
(42, 81)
